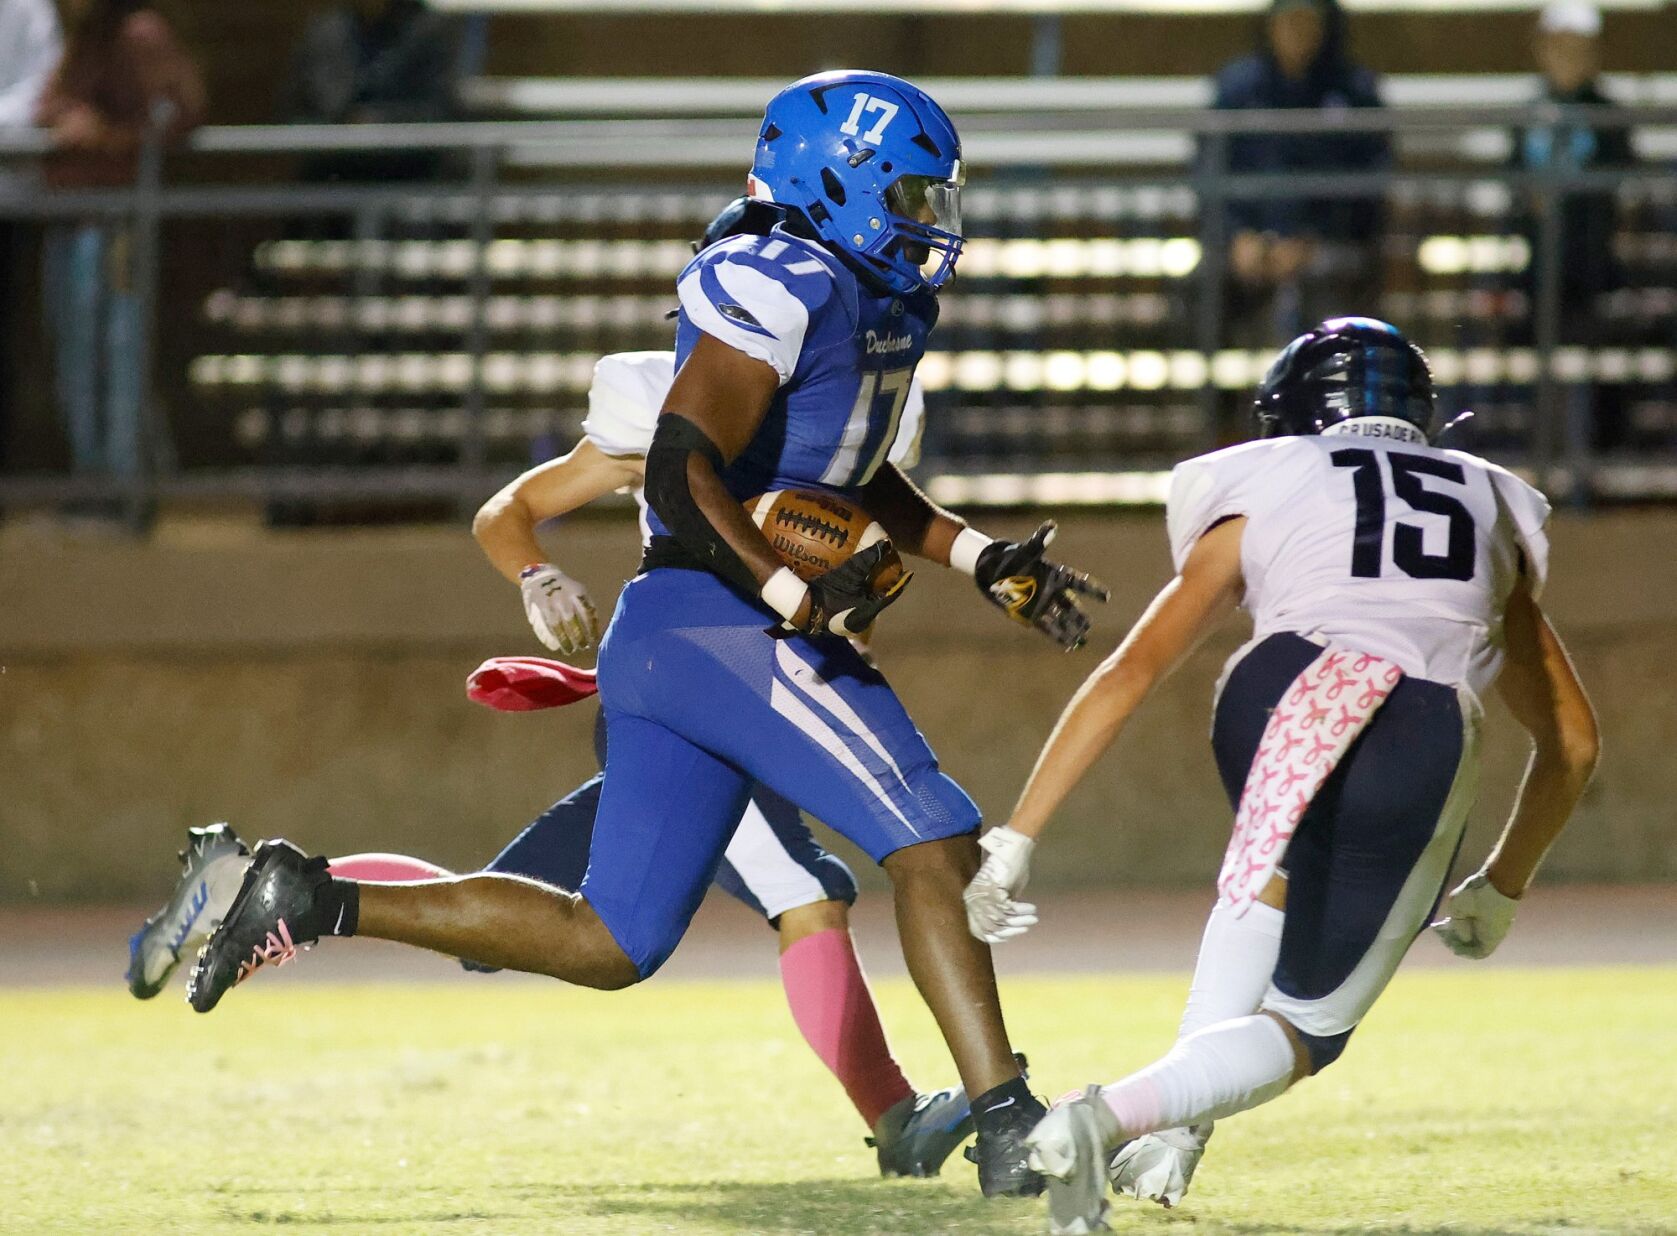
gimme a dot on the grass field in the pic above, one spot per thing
(1500, 1101)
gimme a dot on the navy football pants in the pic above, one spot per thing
(1370, 857)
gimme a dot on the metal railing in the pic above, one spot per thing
(1040, 152)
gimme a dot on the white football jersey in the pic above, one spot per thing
(1368, 538)
(629, 388)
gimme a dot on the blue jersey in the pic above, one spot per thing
(844, 351)
(699, 701)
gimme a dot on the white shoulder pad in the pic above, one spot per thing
(1528, 509)
(756, 295)
(1213, 487)
(623, 401)
(905, 451)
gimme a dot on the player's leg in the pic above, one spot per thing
(826, 731)
(811, 720)
(1392, 820)
(1232, 974)
(212, 869)
(775, 866)
(1237, 952)
(552, 850)
(673, 807)
(666, 809)
(381, 867)
(554, 847)
(1364, 870)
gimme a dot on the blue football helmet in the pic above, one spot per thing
(1344, 368)
(875, 166)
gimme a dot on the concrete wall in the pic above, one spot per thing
(310, 684)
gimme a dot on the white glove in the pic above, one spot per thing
(1476, 917)
(558, 608)
(992, 913)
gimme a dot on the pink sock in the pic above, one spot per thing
(385, 868)
(835, 1011)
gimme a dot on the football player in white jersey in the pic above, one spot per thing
(773, 864)
(1390, 583)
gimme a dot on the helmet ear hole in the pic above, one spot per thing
(834, 189)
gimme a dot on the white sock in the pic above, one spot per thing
(1237, 958)
(1214, 1072)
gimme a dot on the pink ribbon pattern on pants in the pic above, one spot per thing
(1309, 732)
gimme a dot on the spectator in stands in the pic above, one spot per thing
(375, 62)
(1566, 46)
(30, 45)
(123, 71)
(1295, 260)
(1568, 55)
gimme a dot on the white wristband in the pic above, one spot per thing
(784, 593)
(963, 554)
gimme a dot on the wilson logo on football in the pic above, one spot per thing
(1014, 593)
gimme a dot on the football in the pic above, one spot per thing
(814, 532)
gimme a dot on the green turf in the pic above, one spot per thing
(1493, 1101)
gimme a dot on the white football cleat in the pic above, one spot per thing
(1069, 1147)
(1158, 1167)
(212, 868)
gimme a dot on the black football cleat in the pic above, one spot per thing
(1001, 1154)
(277, 910)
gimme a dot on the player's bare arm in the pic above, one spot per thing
(1542, 690)
(505, 525)
(559, 608)
(1185, 612)
(1188, 608)
(916, 524)
(714, 409)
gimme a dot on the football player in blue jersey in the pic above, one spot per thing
(795, 352)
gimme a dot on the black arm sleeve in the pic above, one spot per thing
(669, 492)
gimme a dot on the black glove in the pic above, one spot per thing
(1035, 591)
(846, 600)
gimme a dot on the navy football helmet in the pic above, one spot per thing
(1344, 368)
(743, 216)
(874, 165)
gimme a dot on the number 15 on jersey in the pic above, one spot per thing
(1408, 553)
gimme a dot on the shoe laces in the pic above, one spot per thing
(274, 950)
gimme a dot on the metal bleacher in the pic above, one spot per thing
(1072, 360)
